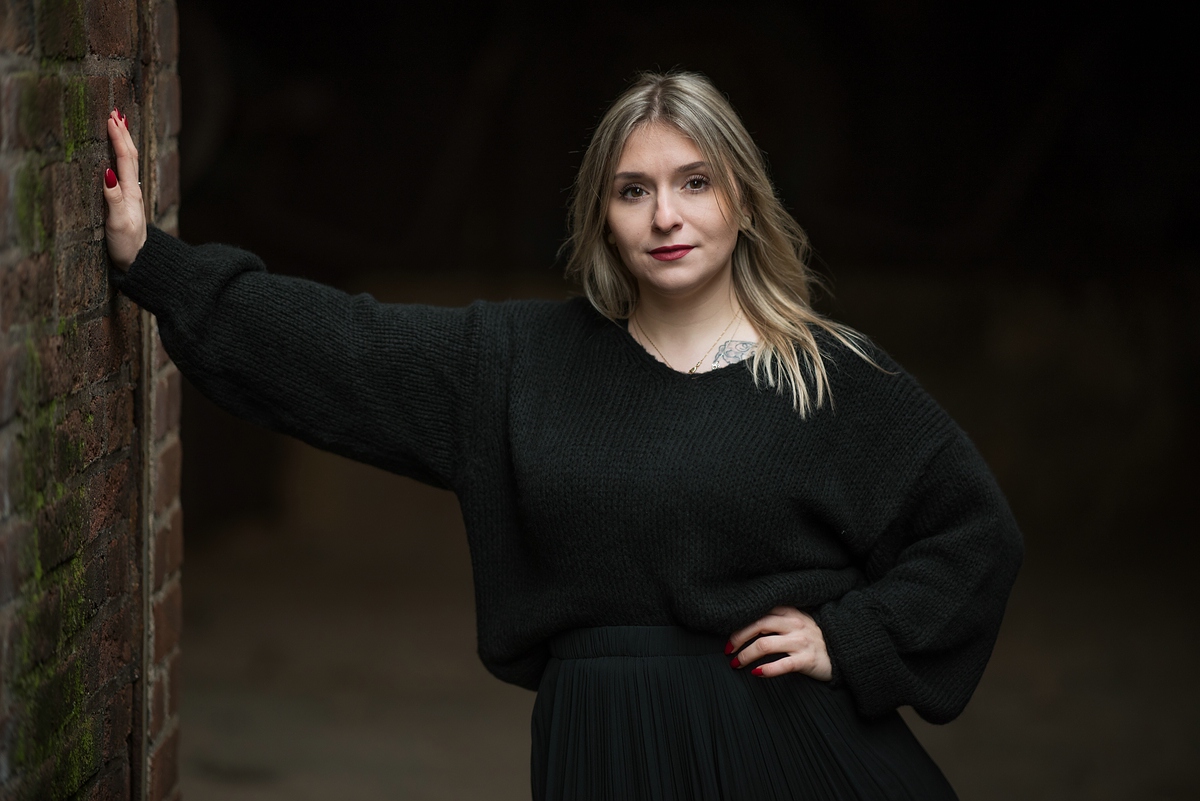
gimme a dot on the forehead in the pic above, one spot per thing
(657, 147)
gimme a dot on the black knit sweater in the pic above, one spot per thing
(600, 487)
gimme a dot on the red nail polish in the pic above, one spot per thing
(729, 648)
(733, 662)
(757, 671)
(110, 178)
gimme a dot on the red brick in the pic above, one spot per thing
(82, 277)
(167, 181)
(12, 369)
(97, 88)
(167, 107)
(125, 99)
(168, 547)
(32, 110)
(109, 495)
(167, 398)
(83, 353)
(168, 621)
(174, 684)
(118, 722)
(112, 783)
(167, 475)
(161, 357)
(17, 32)
(164, 768)
(15, 566)
(166, 30)
(27, 291)
(61, 31)
(78, 440)
(8, 233)
(33, 205)
(110, 27)
(78, 195)
(118, 419)
(117, 568)
(158, 706)
(62, 525)
(115, 645)
(35, 632)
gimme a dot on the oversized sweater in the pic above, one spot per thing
(600, 487)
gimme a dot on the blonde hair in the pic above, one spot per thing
(770, 277)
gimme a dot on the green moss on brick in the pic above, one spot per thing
(31, 199)
(75, 122)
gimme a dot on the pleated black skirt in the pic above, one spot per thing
(657, 713)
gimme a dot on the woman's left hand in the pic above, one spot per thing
(789, 631)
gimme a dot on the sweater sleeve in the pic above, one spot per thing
(921, 631)
(385, 384)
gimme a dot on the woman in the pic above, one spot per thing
(640, 508)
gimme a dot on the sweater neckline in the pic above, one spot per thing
(653, 365)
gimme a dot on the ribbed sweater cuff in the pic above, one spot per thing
(861, 653)
(158, 272)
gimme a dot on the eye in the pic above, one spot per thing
(697, 183)
(633, 192)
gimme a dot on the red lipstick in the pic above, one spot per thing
(671, 252)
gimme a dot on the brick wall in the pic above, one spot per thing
(90, 522)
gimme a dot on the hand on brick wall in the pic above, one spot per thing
(125, 226)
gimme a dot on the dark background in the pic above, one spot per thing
(1004, 198)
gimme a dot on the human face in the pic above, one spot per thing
(674, 229)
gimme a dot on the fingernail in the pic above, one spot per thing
(729, 648)
(110, 178)
(733, 662)
(757, 671)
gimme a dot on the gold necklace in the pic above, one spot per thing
(697, 365)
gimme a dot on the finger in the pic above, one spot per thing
(761, 647)
(125, 151)
(789, 664)
(771, 624)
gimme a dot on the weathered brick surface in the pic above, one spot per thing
(89, 450)
(168, 621)
(168, 180)
(168, 393)
(169, 107)
(17, 32)
(166, 41)
(110, 27)
(168, 547)
(167, 476)
(164, 766)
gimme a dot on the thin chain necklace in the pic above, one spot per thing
(697, 365)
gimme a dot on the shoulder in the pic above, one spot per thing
(875, 397)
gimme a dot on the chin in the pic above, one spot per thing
(675, 282)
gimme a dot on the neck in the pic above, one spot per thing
(679, 328)
(679, 318)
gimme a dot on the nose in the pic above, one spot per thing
(666, 215)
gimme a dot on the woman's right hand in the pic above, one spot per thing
(125, 227)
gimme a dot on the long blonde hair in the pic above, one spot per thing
(770, 276)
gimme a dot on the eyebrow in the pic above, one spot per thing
(628, 176)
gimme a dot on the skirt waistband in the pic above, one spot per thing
(634, 641)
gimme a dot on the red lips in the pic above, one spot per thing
(671, 252)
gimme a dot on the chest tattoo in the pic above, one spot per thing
(732, 351)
